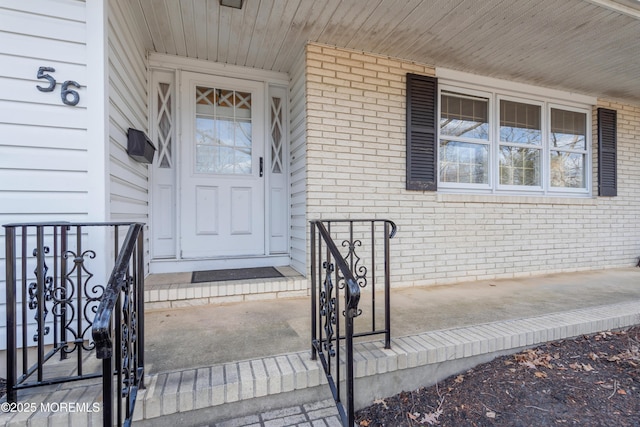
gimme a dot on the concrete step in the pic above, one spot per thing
(173, 290)
(210, 394)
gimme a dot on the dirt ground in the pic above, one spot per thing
(587, 381)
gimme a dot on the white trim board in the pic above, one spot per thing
(170, 62)
(474, 81)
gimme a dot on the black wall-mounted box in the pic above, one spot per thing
(139, 146)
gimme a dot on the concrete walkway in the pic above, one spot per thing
(319, 414)
(511, 313)
(240, 364)
(192, 337)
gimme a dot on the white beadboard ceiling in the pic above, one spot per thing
(584, 46)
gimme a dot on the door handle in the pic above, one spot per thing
(261, 166)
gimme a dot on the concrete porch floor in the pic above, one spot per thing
(232, 364)
(248, 363)
(192, 337)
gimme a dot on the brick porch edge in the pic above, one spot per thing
(429, 352)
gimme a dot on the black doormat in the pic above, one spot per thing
(234, 274)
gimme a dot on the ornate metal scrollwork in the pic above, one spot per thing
(359, 270)
(34, 303)
(129, 336)
(328, 307)
(65, 296)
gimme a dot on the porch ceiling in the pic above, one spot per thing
(585, 46)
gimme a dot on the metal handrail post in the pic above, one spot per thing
(40, 278)
(140, 306)
(387, 288)
(10, 260)
(314, 325)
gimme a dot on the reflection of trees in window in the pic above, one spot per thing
(519, 166)
(463, 162)
(520, 143)
(223, 131)
(523, 150)
(568, 148)
(464, 117)
(567, 170)
(466, 120)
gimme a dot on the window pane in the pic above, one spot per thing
(520, 123)
(205, 131)
(223, 131)
(164, 119)
(519, 166)
(464, 117)
(463, 162)
(568, 129)
(567, 169)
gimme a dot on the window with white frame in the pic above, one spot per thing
(495, 142)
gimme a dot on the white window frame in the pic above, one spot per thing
(531, 96)
(452, 90)
(587, 161)
(543, 170)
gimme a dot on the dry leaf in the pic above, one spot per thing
(459, 379)
(593, 356)
(413, 416)
(365, 423)
(540, 374)
(621, 391)
(587, 368)
(380, 402)
(490, 414)
(431, 418)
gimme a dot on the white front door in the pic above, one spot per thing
(222, 203)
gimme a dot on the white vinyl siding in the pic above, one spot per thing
(127, 109)
(128, 184)
(44, 153)
(297, 159)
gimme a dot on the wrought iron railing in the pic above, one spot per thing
(352, 273)
(118, 331)
(54, 286)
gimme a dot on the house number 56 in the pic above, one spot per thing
(69, 96)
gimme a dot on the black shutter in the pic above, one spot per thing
(422, 93)
(607, 157)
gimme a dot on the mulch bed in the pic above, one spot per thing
(587, 381)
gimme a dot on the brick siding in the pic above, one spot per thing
(356, 169)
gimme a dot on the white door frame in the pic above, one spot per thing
(271, 82)
(216, 229)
